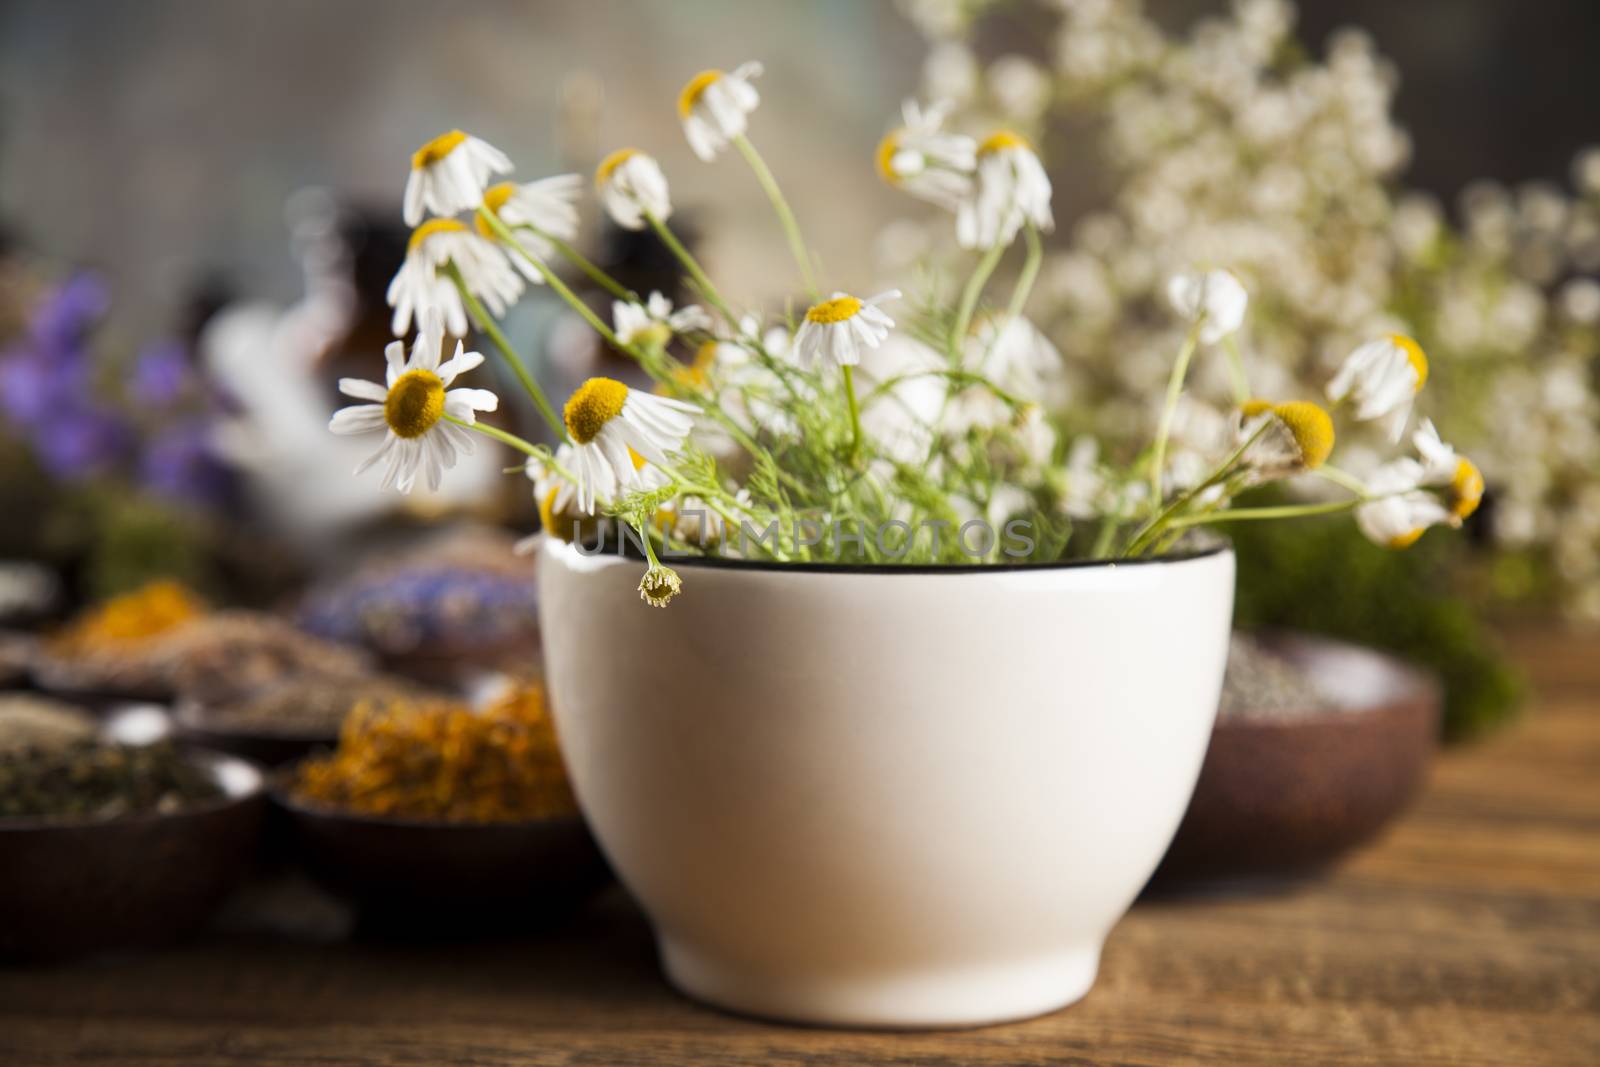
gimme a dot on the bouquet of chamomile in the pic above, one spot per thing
(875, 429)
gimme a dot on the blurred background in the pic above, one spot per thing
(199, 210)
(159, 142)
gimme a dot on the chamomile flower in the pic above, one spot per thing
(1382, 377)
(410, 409)
(423, 283)
(1443, 466)
(632, 186)
(838, 329)
(659, 585)
(1401, 511)
(543, 209)
(1011, 188)
(1213, 299)
(715, 108)
(1294, 436)
(555, 493)
(449, 173)
(653, 323)
(606, 420)
(924, 160)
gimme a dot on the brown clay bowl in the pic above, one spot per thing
(425, 878)
(73, 887)
(1286, 796)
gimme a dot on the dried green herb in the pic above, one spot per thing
(92, 780)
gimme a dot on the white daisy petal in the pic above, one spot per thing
(448, 175)
(715, 107)
(361, 389)
(632, 186)
(359, 418)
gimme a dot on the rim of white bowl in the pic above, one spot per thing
(1216, 547)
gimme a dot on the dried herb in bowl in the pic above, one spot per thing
(91, 780)
(443, 760)
(311, 705)
(30, 721)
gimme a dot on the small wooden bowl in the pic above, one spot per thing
(1287, 796)
(72, 887)
(417, 877)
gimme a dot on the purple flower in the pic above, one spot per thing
(160, 374)
(63, 318)
(180, 464)
(33, 384)
(80, 440)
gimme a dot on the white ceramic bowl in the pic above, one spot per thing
(887, 797)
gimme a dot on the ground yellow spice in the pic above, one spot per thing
(443, 760)
(151, 609)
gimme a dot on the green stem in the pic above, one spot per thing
(594, 273)
(486, 323)
(855, 411)
(791, 229)
(500, 435)
(1108, 533)
(969, 298)
(1241, 383)
(1180, 369)
(1286, 511)
(691, 265)
(1153, 526)
(551, 278)
(1342, 479)
(1030, 272)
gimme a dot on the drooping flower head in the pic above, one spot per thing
(410, 409)
(449, 173)
(1401, 511)
(715, 108)
(1214, 299)
(837, 330)
(606, 420)
(541, 209)
(1443, 466)
(925, 161)
(1382, 378)
(632, 186)
(423, 283)
(1293, 436)
(1012, 188)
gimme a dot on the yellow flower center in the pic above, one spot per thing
(414, 404)
(1466, 489)
(1407, 539)
(494, 198)
(836, 310)
(1312, 430)
(692, 91)
(431, 227)
(1414, 356)
(886, 153)
(594, 403)
(548, 521)
(1002, 139)
(437, 149)
(1252, 408)
(608, 165)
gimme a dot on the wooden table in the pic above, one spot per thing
(1469, 935)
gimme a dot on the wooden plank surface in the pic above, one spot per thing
(1469, 935)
